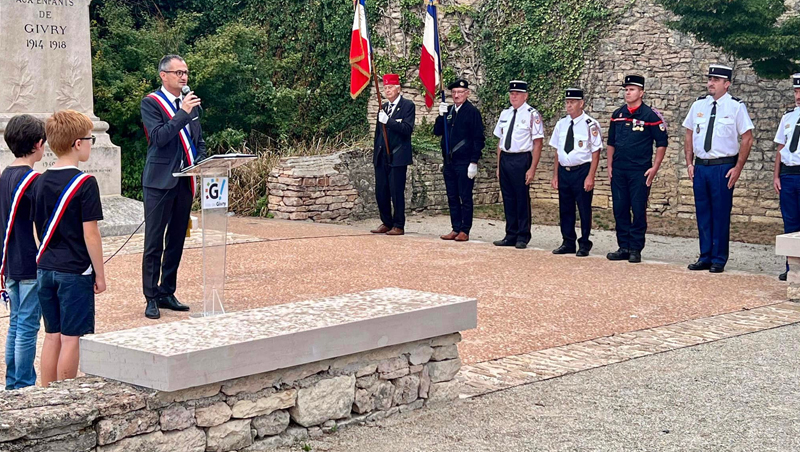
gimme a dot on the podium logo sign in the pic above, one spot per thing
(215, 193)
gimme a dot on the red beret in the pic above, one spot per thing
(391, 79)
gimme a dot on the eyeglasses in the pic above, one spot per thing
(178, 73)
(93, 138)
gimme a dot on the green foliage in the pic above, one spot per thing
(745, 28)
(543, 42)
(260, 75)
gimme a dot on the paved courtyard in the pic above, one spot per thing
(529, 300)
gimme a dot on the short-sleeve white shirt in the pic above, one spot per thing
(587, 139)
(731, 121)
(784, 136)
(527, 127)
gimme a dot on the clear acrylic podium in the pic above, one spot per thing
(213, 173)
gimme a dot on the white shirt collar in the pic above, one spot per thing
(578, 119)
(170, 96)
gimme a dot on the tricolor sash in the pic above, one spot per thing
(61, 206)
(16, 197)
(188, 145)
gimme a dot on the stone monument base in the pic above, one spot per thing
(122, 216)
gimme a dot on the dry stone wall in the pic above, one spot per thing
(249, 414)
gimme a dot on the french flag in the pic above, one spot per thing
(430, 62)
(360, 51)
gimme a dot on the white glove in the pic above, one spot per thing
(383, 117)
(443, 108)
(472, 171)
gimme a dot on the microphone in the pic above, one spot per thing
(186, 90)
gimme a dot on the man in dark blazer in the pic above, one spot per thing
(461, 151)
(175, 141)
(397, 115)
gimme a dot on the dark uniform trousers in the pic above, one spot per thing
(390, 188)
(629, 192)
(516, 195)
(790, 203)
(571, 192)
(713, 202)
(167, 210)
(459, 196)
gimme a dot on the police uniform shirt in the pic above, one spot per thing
(527, 127)
(731, 121)
(586, 139)
(784, 137)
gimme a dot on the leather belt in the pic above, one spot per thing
(576, 167)
(718, 161)
(786, 169)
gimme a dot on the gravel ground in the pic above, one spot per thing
(740, 394)
(743, 256)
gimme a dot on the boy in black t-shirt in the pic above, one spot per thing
(25, 137)
(66, 210)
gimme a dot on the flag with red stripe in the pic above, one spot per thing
(360, 50)
(430, 62)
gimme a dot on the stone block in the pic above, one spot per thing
(421, 355)
(271, 424)
(443, 392)
(115, 428)
(395, 374)
(329, 399)
(424, 383)
(250, 384)
(189, 440)
(212, 415)
(445, 352)
(232, 435)
(177, 417)
(264, 405)
(443, 370)
(406, 389)
(448, 339)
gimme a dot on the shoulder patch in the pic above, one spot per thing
(737, 99)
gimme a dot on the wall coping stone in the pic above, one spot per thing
(202, 351)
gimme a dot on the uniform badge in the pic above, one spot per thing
(700, 114)
(638, 125)
(698, 129)
(537, 120)
(594, 131)
(787, 126)
(662, 127)
(580, 143)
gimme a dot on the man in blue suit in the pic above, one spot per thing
(175, 141)
(397, 116)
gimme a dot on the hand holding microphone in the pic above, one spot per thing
(188, 99)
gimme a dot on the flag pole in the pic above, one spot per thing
(441, 73)
(380, 106)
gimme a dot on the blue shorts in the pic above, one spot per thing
(67, 301)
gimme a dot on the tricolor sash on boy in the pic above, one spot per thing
(16, 197)
(188, 145)
(61, 206)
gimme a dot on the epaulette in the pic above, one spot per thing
(737, 99)
(702, 97)
(589, 121)
(531, 108)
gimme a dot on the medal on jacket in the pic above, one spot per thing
(638, 125)
(698, 129)
(580, 143)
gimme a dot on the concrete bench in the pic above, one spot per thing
(789, 245)
(249, 381)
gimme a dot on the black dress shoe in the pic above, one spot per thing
(699, 265)
(521, 245)
(782, 276)
(564, 249)
(621, 254)
(635, 256)
(151, 311)
(583, 252)
(170, 302)
(503, 242)
(716, 268)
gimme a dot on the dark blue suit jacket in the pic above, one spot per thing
(465, 134)
(398, 129)
(165, 153)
